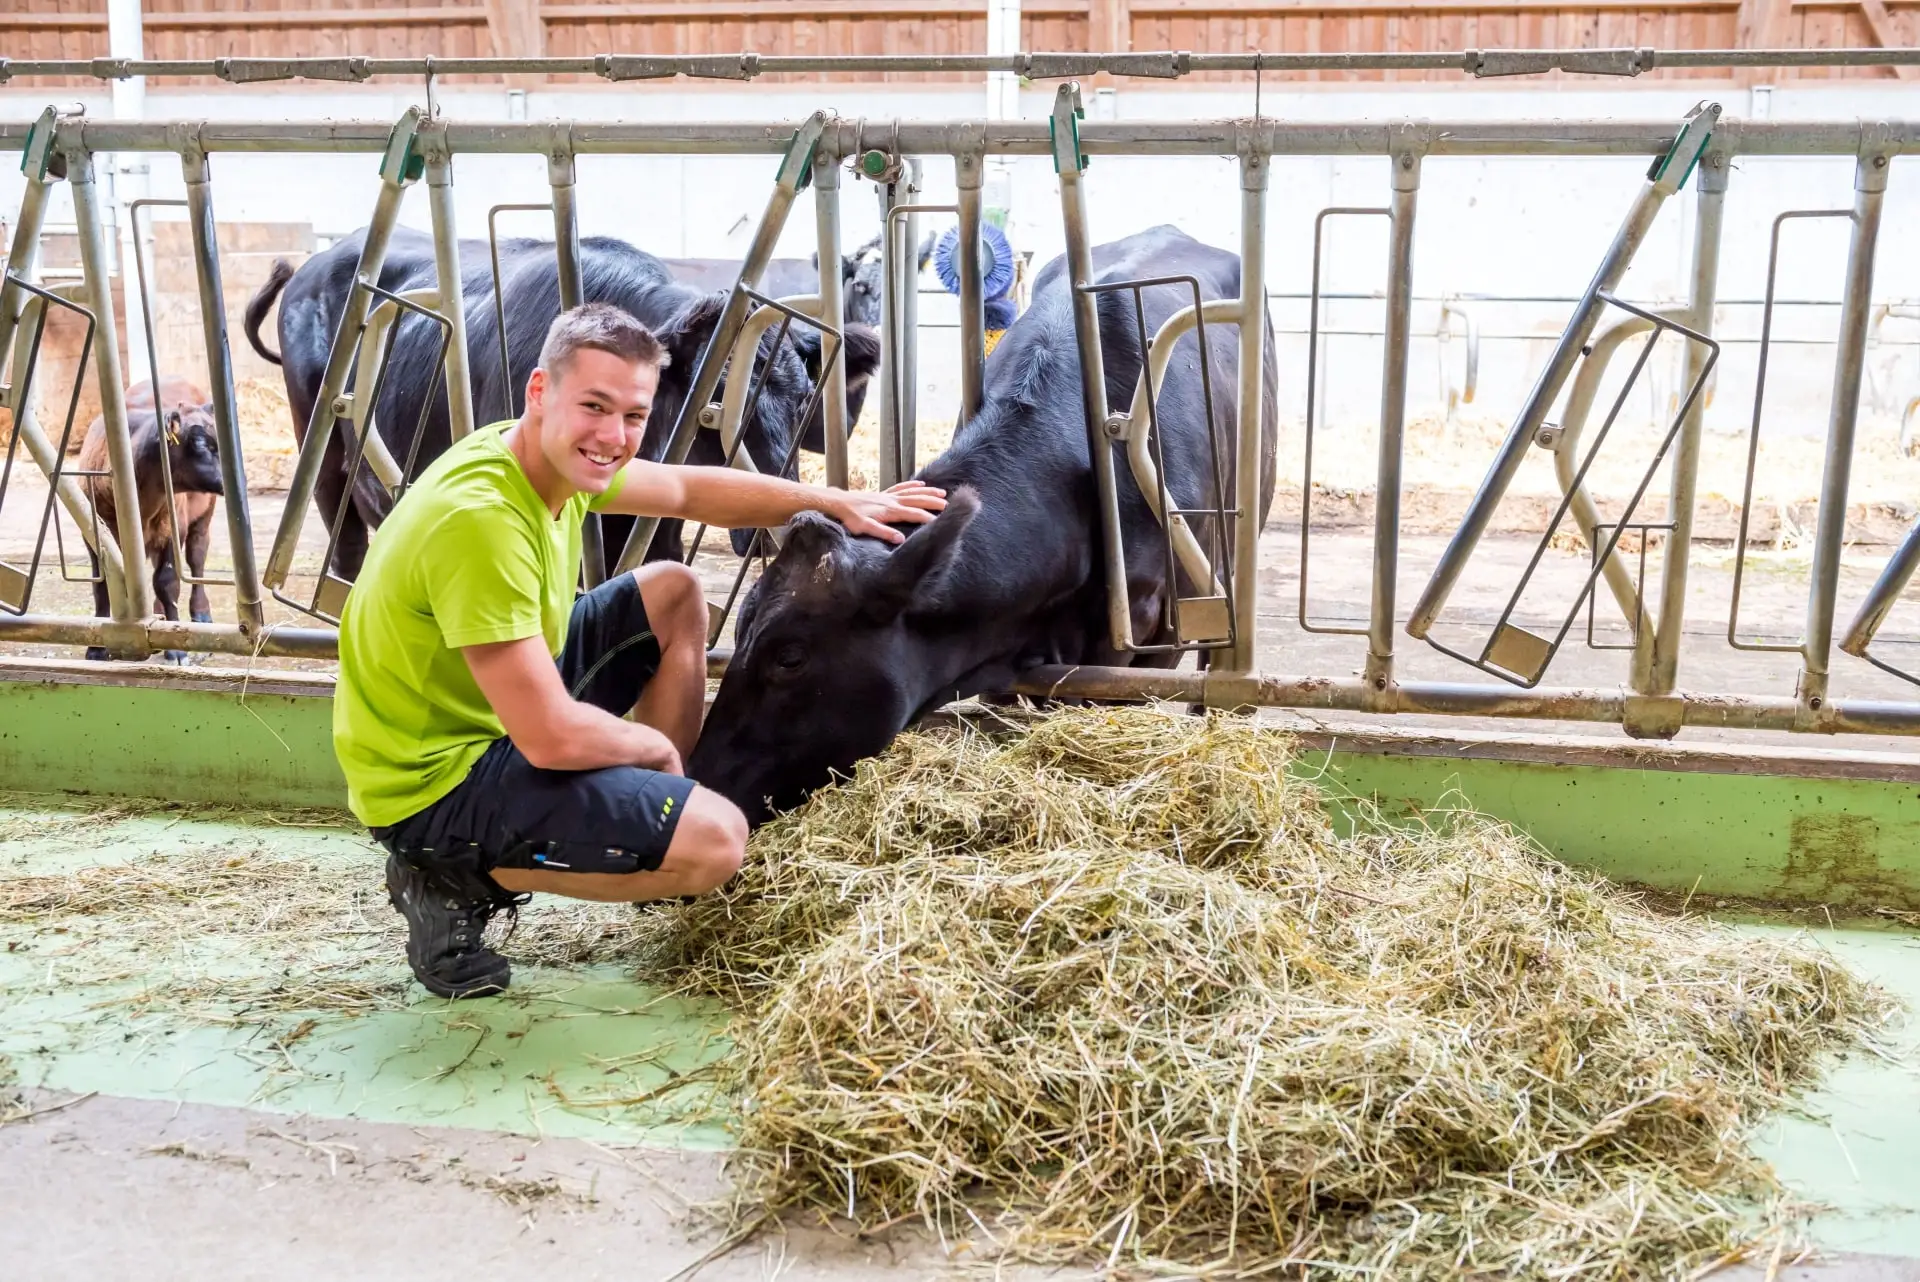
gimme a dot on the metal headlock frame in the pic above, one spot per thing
(16, 584)
(161, 417)
(1651, 708)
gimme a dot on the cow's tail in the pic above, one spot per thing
(261, 303)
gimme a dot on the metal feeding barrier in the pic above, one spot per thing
(16, 582)
(1212, 543)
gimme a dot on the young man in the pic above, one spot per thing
(489, 770)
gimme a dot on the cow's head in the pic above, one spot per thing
(862, 275)
(830, 662)
(860, 352)
(193, 450)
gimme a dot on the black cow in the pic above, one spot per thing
(860, 277)
(610, 271)
(844, 642)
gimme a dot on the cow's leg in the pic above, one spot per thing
(200, 609)
(166, 594)
(351, 549)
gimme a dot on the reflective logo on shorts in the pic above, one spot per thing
(666, 810)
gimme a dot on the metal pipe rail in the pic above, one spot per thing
(846, 137)
(815, 148)
(1170, 64)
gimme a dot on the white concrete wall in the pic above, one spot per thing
(1489, 229)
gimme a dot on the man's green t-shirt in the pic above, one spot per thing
(469, 555)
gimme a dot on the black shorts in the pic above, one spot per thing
(508, 813)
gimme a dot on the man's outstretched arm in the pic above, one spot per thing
(734, 500)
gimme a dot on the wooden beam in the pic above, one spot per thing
(1880, 23)
(1490, 7)
(763, 10)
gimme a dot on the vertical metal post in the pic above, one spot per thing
(796, 168)
(1659, 681)
(226, 414)
(397, 169)
(1669, 173)
(894, 340)
(1070, 164)
(1870, 188)
(137, 602)
(446, 261)
(1255, 164)
(910, 331)
(23, 257)
(566, 249)
(1393, 414)
(833, 396)
(969, 167)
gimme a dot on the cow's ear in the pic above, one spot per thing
(861, 351)
(926, 251)
(915, 568)
(686, 335)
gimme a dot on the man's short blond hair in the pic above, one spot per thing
(603, 328)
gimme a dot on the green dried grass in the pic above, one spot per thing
(1116, 990)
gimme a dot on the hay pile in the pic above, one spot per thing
(1116, 990)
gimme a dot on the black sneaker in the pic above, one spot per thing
(444, 936)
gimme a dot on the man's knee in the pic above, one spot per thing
(709, 841)
(676, 603)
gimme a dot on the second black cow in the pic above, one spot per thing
(611, 271)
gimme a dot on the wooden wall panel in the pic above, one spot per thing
(461, 28)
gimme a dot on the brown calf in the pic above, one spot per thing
(185, 430)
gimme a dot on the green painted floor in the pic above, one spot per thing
(589, 1051)
(581, 1051)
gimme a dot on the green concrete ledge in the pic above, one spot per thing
(1795, 824)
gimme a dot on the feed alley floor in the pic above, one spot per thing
(570, 1124)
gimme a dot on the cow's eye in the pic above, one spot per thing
(791, 656)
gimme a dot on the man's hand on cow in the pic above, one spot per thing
(909, 502)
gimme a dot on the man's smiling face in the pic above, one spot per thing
(593, 415)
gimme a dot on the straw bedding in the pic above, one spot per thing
(1116, 989)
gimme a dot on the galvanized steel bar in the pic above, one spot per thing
(248, 594)
(1710, 205)
(909, 346)
(566, 249)
(1849, 367)
(1070, 164)
(893, 341)
(1243, 585)
(1666, 179)
(320, 424)
(153, 635)
(796, 167)
(446, 261)
(1393, 413)
(1011, 138)
(833, 394)
(1151, 64)
(1431, 698)
(137, 601)
(969, 174)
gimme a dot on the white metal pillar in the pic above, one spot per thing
(128, 174)
(1003, 96)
